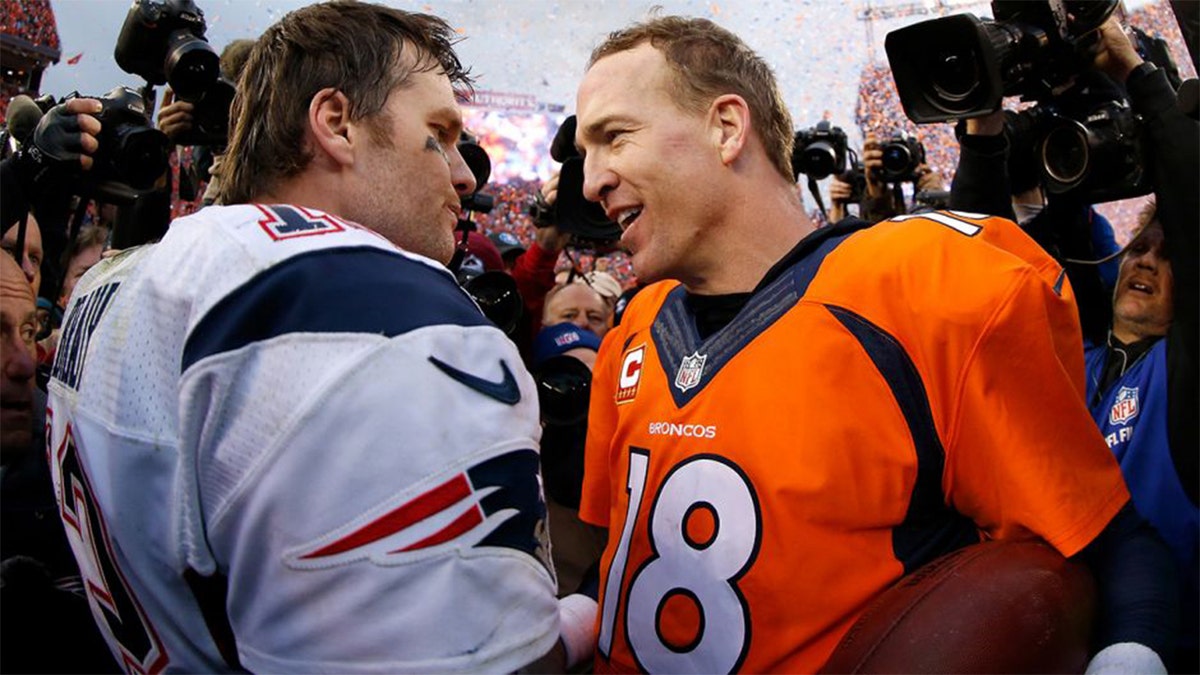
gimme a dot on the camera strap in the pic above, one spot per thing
(816, 193)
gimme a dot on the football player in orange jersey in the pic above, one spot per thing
(791, 420)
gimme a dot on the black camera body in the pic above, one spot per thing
(1094, 151)
(856, 176)
(163, 42)
(132, 154)
(903, 154)
(820, 151)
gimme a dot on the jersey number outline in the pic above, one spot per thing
(124, 620)
(703, 573)
(951, 219)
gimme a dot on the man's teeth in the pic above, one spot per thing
(1141, 287)
(627, 216)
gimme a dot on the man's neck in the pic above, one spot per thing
(755, 237)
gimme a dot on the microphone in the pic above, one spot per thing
(23, 118)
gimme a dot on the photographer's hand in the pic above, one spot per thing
(1117, 56)
(989, 125)
(550, 189)
(839, 194)
(174, 117)
(872, 158)
(928, 179)
(68, 133)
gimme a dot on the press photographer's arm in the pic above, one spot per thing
(65, 140)
(1173, 139)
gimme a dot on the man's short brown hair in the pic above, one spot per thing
(708, 61)
(363, 50)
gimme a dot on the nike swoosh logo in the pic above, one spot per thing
(504, 391)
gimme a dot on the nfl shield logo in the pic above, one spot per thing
(690, 371)
(1125, 407)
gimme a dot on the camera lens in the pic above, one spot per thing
(1066, 153)
(496, 294)
(191, 66)
(820, 160)
(896, 158)
(141, 155)
(564, 387)
(955, 76)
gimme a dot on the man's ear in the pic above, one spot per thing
(729, 117)
(329, 125)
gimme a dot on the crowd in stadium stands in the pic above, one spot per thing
(31, 20)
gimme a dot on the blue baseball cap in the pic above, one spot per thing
(560, 338)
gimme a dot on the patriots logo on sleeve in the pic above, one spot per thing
(495, 503)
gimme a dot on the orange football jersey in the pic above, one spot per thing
(895, 393)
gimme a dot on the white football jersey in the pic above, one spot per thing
(280, 443)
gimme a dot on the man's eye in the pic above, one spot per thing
(28, 332)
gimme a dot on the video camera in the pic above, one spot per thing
(902, 155)
(131, 154)
(572, 213)
(961, 66)
(820, 151)
(1083, 136)
(162, 41)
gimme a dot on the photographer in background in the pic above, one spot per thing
(880, 198)
(1142, 363)
(175, 119)
(42, 176)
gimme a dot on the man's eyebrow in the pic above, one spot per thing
(449, 116)
(597, 128)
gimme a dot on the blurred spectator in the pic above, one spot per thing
(509, 246)
(578, 304)
(33, 255)
(40, 588)
(479, 255)
(82, 253)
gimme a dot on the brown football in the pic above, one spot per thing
(994, 607)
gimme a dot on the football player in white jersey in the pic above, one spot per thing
(283, 438)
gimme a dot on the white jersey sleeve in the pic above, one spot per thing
(328, 429)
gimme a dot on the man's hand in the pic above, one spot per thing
(68, 132)
(1116, 56)
(929, 180)
(990, 125)
(549, 237)
(872, 158)
(550, 189)
(175, 117)
(839, 194)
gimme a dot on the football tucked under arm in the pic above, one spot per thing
(998, 606)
